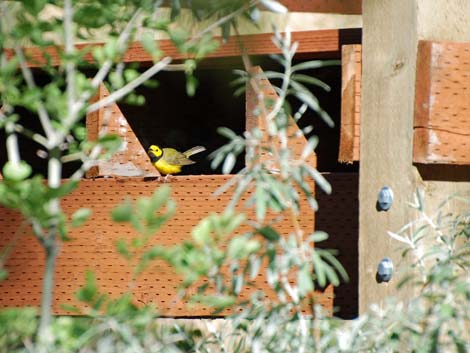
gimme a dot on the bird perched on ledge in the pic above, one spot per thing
(169, 161)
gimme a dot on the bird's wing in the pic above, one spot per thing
(172, 156)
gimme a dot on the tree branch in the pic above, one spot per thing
(116, 95)
(28, 76)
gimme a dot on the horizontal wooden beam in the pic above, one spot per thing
(321, 42)
(350, 7)
(93, 245)
(442, 103)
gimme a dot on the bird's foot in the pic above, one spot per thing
(167, 178)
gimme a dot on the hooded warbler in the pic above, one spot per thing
(169, 161)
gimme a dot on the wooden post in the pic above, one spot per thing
(391, 31)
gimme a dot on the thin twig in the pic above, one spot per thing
(221, 21)
(123, 91)
(29, 78)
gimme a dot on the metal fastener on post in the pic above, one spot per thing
(384, 270)
(384, 199)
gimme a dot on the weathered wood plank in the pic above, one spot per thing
(350, 7)
(391, 33)
(319, 42)
(261, 83)
(93, 245)
(442, 103)
(132, 159)
(350, 103)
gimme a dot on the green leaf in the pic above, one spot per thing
(123, 212)
(123, 249)
(215, 301)
(201, 232)
(304, 280)
(319, 236)
(226, 132)
(229, 163)
(274, 6)
(191, 85)
(80, 216)
(311, 80)
(315, 64)
(269, 233)
(63, 190)
(89, 291)
(16, 171)
(236, 248)
(34, 6)
(149, 44)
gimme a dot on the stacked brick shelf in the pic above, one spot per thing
(92, 246)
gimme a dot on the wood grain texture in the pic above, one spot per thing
(388, 71)
(132, 159)
(350, 7)
(351, 63)
(442, 103)
(93, 246)
(391, 33)
(320, 42)
(256, 119)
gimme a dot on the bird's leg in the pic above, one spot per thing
(166, 178)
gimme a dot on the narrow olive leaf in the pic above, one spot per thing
(260, 199)
(269, 233)
(315, 64)
(201, 232)
(304, 280)
(320, 180)
(149, 43)
(327, 255)
(274, 6)
(319, 236)
(123, 249)
(237, 284)
(122, 212)
(229, 163)
(311, 80)
(319, 268)
(226, 132)
(80, 216)
(310, 146)
(399, 238)
(331, 275)
(160, 197)
(191, 85)
(255, 265)
(225, 28)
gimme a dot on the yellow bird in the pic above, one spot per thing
(169, 161)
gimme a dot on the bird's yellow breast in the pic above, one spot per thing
(165, 168)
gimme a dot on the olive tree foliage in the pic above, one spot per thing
(220, 262)
(62, 103)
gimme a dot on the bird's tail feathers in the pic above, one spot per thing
(194, 150)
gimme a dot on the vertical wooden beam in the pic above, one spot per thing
(350, 103)
(391, 31)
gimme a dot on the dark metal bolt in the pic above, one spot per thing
(385, 199)
(384, 270)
